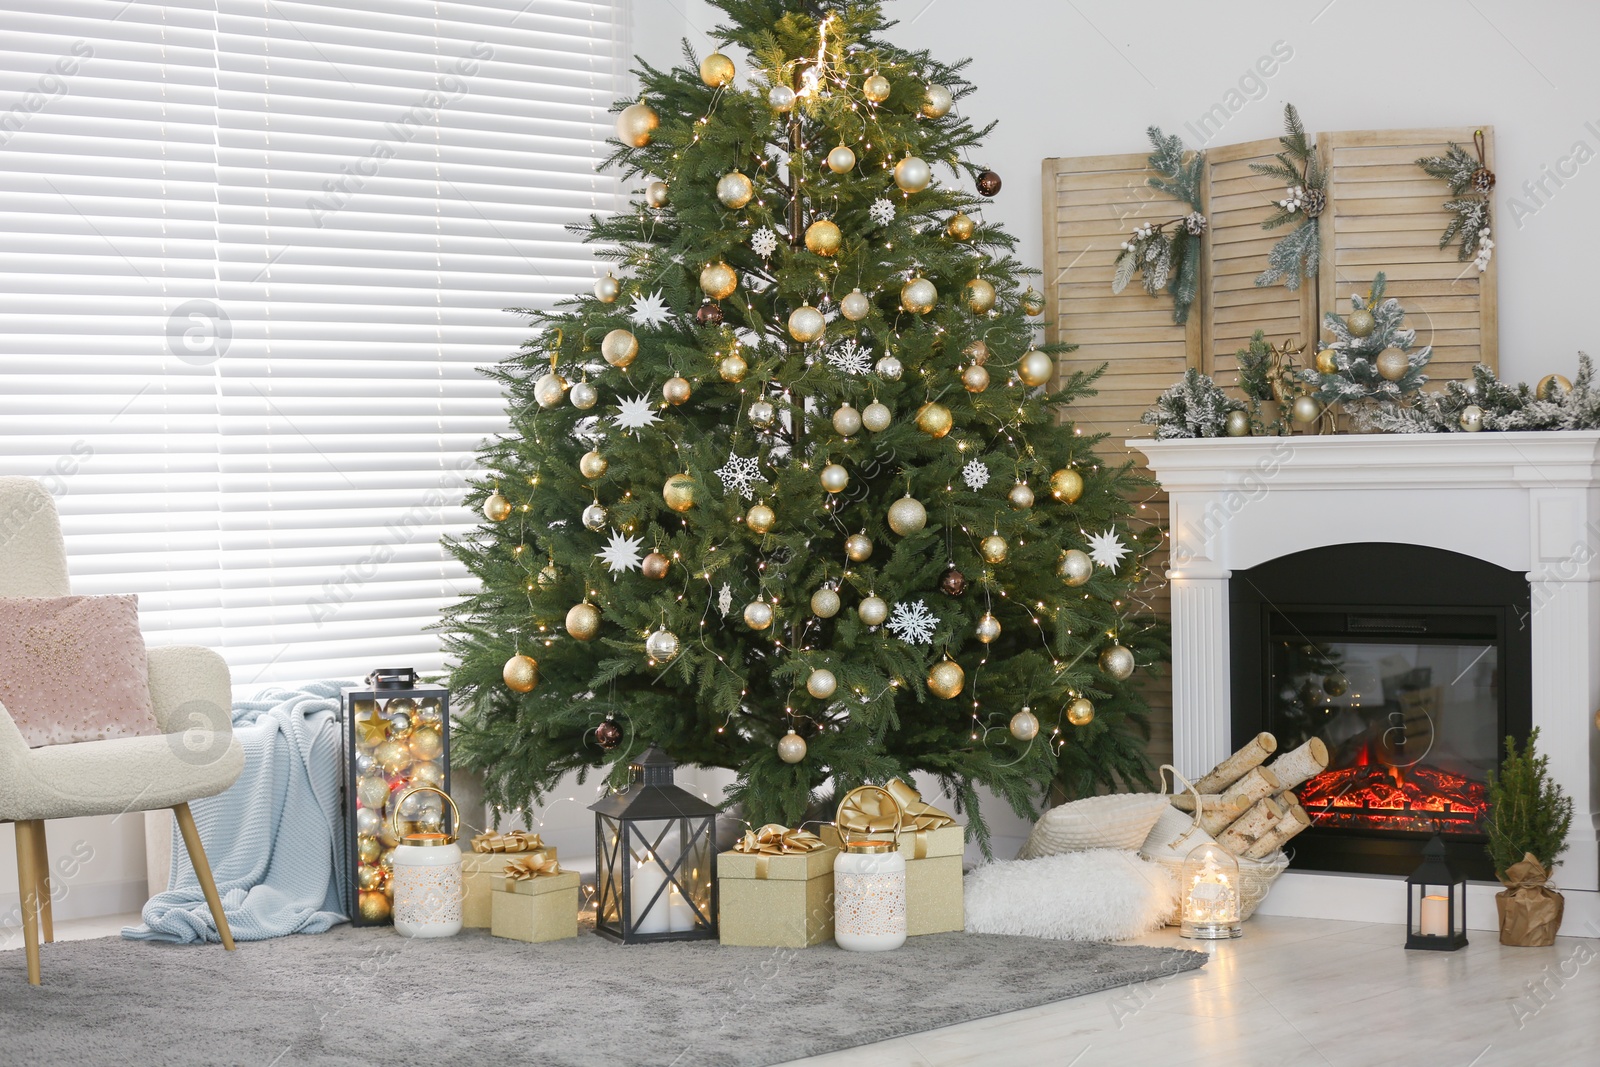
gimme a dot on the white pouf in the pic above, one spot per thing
(1102, 894)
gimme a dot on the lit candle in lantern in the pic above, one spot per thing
(1434, 920)
(648, 877)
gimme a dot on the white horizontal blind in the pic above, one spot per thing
(384, 183)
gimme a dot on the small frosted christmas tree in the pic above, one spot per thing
(1371, 360)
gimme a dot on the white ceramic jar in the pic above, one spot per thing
(869, 896)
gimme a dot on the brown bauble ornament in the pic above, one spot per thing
(823, 237)
(977, 351)
(1392, 365)
(373, 906)
(975, 379)
(993, 549)
(834, 478)
(952, 582)
(1020, 496)
(907, 515)
(733, 367)
(1075, 567)
(858, 548)
(593, 465)
(734, 190)
(607, 734)
(946, 679)
(855, 306)
(583, 621)
(708, 314)
(760, 518)
(521, 674)
(988, 183)
(619, 347)
(876, 417)
(1360, 323)
(1025, 725)
(937, 101)
(716, 70)
(875, 88)
(607, 289)
(873, 610)
(496, 508)
(919, 296)
(718, 280)
(987, 629)
(655, 566)
(1066, 485)
(1036, 368)
(679, 492)
(1080, 712)
(961, 227)
(842, 159)
(1117, 662)
(934, 419)
(912, 174)
(791, 747)
(1325, 361)
(980, 296)
(676, 390)
(806, 324)
(635, 125)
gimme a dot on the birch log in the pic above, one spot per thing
(1293, 821)
(1252, 826)
(1185, 802)
(1256, 785)
(1307, 761)
(1238, 765)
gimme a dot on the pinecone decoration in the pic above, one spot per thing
(1314, 203)
(1483, 180)
(1195, 223)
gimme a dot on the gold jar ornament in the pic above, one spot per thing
(426, 875)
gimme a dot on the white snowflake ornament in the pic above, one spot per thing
(1107, 549)
(764, 242)
(881, 211)
(635, 414)
(975, 474)
(725, 599)
(739, 475)
(849, 357)
(649, 310)
(622, 553)
(913, 623)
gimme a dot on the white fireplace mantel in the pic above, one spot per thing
(1528, 502)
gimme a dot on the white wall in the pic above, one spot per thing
(1086, 78)
(97, 867)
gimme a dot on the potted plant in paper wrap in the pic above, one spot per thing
(1529, 817)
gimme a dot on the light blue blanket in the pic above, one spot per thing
(274, 839)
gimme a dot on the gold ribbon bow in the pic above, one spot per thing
(515, 841)
(865, 813)
(537, 864)
(775, 839)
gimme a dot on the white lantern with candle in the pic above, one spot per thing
(869, 882)
(1208, 895)
(427, 876)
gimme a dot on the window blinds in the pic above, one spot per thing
(282, 414)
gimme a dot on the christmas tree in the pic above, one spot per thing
(789, 494)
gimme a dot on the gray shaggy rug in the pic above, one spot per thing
(365, 997)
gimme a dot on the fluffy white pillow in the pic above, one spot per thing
(1103, 894)
(1116, 820)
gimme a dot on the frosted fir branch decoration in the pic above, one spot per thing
(1166, 255)
(1357, 368)
(1195, 406)
(1499, 405)
(1294, 258)
(1471, 188)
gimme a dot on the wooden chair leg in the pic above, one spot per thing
(202, 870)
(28, 888)
(42, 862)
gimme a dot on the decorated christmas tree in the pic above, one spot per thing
(790, 493)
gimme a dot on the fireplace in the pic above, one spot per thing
(1412, 664)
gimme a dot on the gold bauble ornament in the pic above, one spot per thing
(1066, 485)
(975, 379)
(1075, 567)
(1036, 368)
(993, 549)
(655, 566)
(386, 859)
(842, 159)
(762, 413)
(858, 548)
(821, 683)
(873, 610)
(679, 492)
(987, 628)
(1552, 386)
(780, 98)
(373, 906)
(1025, 725)
(619, 347)
(1471, 418)
(1360, 323)
(716, 70)
(583, 396)
(1305, 409)
(593, 465)
(429, 773)
(368, 847)
(429, 711)
(496, 508)
(946, 679)
(550, 390)
(758, 615)
(875, 88)
(888, 368)
(733, 368)
(676, 390)
(791, 747)
(1080, 712)
(834, 478)
(825, 603)
(823, 237)
(718, 280)
(806, 324)
(635, 124)
(876, 417)
(907, 515)
(912, 174)
(937, 101)
(980, 296)
(1117, 662)
(961, 227)
(657, 195)
(1020, 496)
(662, 645)
(583, 621)
(373, 792)
(1392, 365)
(426, 744)
(855, 306)
(1335, 685)
(595, 516)
(934, 420)
(919, 296)
(1238, 424)
(548, 574)
(734, 190)
(1032, 302)
(760, 518)
(607, 289)
(1325, 361)
(521, 674)
(846, 420)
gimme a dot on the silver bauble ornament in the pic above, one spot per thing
(936, 102)
(873, 611)
(846, 420)
(889, 369)
(780, 98)
(855, 306)
(583, 396)
(607, 289)
(662, 645)
(1238, 423)
(907, 515)
(635, 124)
(834, 478)
(876, 417)
(987, 628)
(912, 174)
(1020, 496)
(842, 159)
(656, 195)
(791, 747)
(734, 190)
(762, 413)
(758, 615)
(825, 603)
(595, 516)
(550, 390)
(496, 508)
(1117, 662)
(821, 683)
(806, 324)
(1025, 725)
(1305, 409)
(1075, 567)
(1471, 418)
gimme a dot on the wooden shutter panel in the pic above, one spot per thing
(1385, 213)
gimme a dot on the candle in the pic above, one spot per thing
(680, 914)
(1435, 918)
(648, 877)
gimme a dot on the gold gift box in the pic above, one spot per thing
(790, 907)
(481, 874)
(934, 901)
(534, 909)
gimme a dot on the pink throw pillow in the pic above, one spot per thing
(73, 668)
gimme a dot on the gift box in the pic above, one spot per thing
(932, 843)
(776, 901)
(535, 909)
(483, 871)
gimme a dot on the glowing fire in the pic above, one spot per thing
(1375, 796)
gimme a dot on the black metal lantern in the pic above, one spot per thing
(1436, 903)
(396, 734)
(655, 859)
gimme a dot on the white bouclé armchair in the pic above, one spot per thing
(196, 756)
